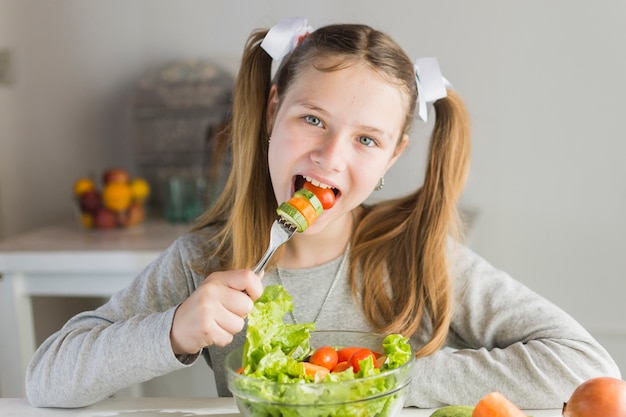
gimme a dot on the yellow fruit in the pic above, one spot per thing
(82, 185)
(86, 220)
(116, 196)
(140, 189)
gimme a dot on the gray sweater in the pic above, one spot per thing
(502, 337)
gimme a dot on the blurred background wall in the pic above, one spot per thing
(544, 83)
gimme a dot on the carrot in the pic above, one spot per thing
(305, 208)
(495, 404)
(316, 371)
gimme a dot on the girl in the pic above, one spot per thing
(337, 113)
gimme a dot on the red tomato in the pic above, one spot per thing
(341, 366)
(325, 195)
(344, 354)
(358, 356)
(325, 356)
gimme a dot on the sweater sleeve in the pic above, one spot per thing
(121, 343)
(505, 337)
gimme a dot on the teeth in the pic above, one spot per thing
(317, 183)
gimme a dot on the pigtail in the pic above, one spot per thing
(437, 213)
(407, 238)
(243, 206)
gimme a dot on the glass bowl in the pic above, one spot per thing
(379, 395)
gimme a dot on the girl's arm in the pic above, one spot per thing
(507, 338)
(121, 343)
(132, 338)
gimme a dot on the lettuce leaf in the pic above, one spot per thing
(273, 349)
(397, 350)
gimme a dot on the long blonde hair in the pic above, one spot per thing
(404, 239)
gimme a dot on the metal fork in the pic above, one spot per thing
(281, 232)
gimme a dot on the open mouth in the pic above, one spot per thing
(300, 180)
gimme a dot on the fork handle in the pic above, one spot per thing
(263, 261)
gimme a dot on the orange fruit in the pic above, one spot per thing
(136, 214)
(82, 185)
(116, 196)
(140, 189)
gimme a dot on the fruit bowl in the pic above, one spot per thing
(377, 395)
(118, 203)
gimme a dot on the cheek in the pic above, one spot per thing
(281, 157)
(365, 178)
(275, 161)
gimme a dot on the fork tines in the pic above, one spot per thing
(291, 228)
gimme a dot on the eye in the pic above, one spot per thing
(367, 141)
(315, 121)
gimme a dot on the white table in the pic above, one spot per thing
(65, 260)
(170, 407)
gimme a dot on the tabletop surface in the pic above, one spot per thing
(152, 235)
(171, 407)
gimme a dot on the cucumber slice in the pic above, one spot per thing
(291, 214)
(309, 195)
(454, 411)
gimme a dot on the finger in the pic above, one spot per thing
(231, 323)
(220, 338)
(243, 280)
(238, 303)
(254, 287)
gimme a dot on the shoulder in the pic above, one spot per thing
(470, 273)
(194, 241)
(196, 247)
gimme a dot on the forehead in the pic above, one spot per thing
(355, 91)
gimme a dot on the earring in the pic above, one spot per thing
(381, 184)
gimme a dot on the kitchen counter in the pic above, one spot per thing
(175, 407)
(68, 261)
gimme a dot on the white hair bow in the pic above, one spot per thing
(431, 84)
(285, 36)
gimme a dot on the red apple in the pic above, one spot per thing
(105, 219)
(115, 175)
(89, 201)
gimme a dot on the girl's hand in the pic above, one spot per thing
(215, 311)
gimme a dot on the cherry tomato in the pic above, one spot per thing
(358, 356)
(344, 354)
(325, 195)
(325, 356)
(341, 366)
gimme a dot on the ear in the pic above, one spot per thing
(272, 107)
(398, 151)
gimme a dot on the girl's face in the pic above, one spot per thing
(339, 128)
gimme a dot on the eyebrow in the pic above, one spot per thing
(369, 129)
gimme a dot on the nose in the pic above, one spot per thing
(331, 153)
